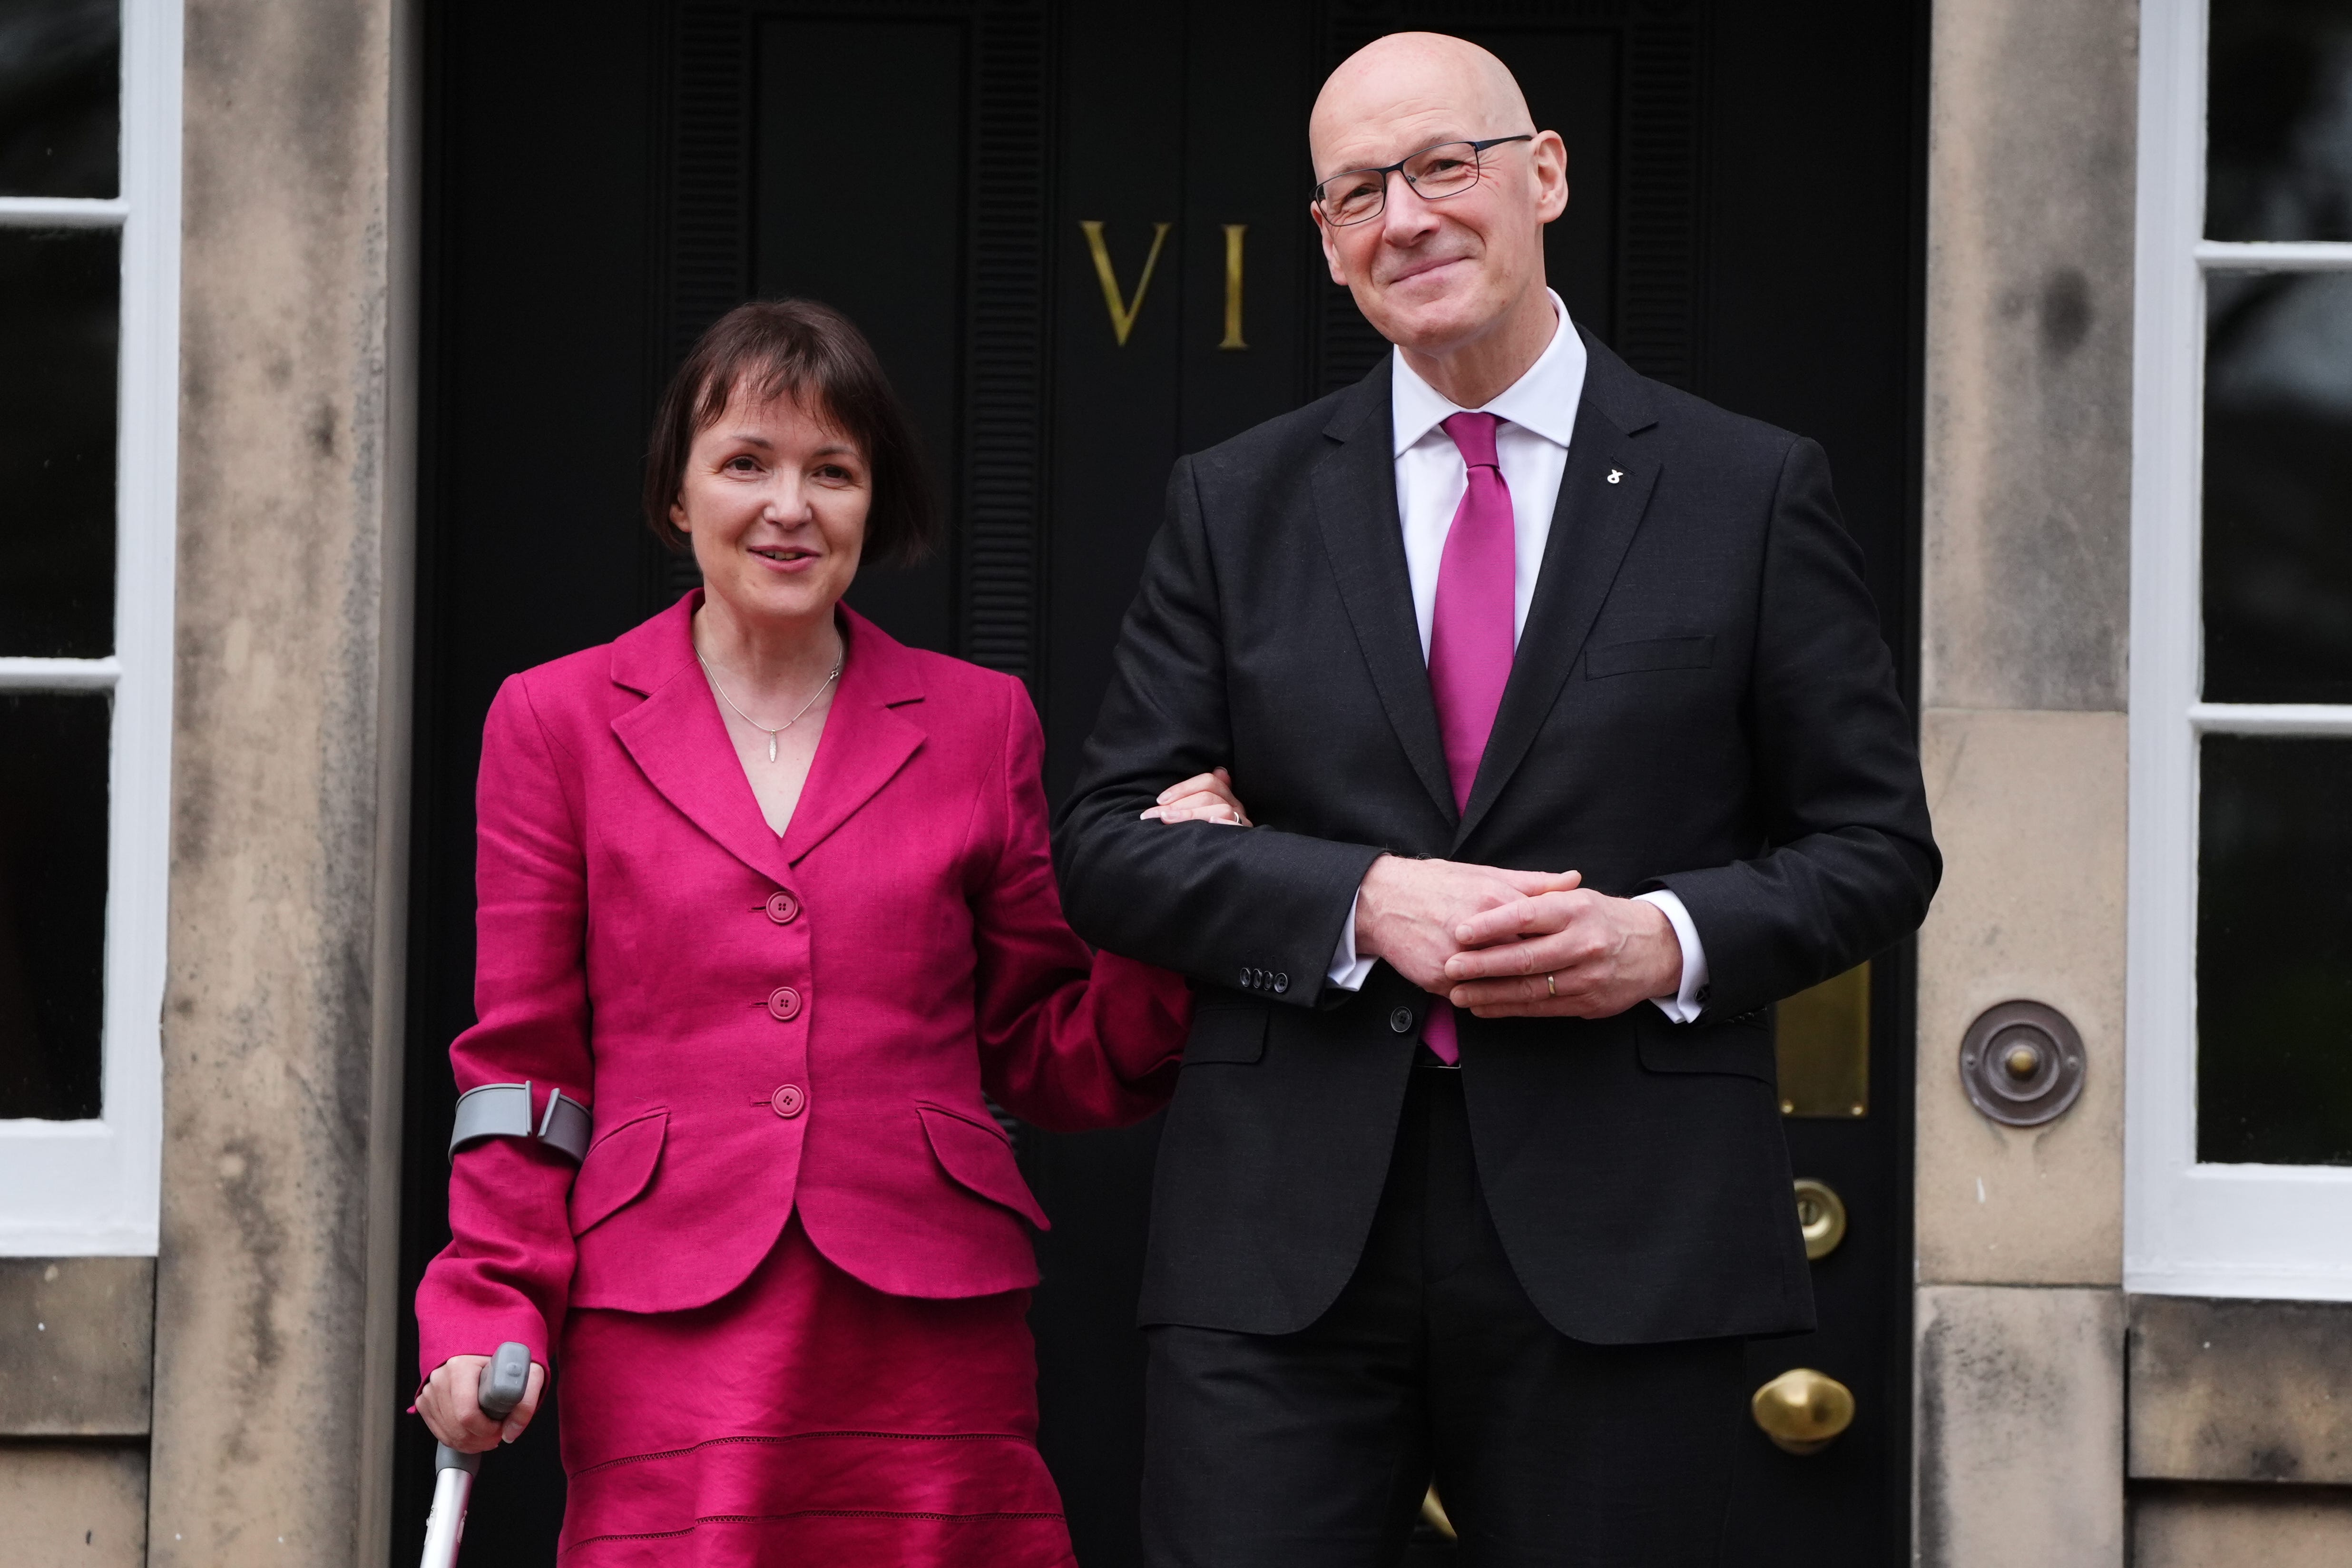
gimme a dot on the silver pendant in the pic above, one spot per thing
(771, 746)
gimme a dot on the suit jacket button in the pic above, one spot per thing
(785, 1005)
(1281, 982)
(1246, 978)
(789, 1101)
(1400, 1021)
(782, 907)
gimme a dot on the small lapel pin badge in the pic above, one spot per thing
(1615, 475)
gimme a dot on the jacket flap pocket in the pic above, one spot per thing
(981, 1159)
(1227, 1032)
(619, 1167)
(1745, 1050)
(1655, 653)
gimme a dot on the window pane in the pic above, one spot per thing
(2278, 487)
(2279, 120)
(58, 330)
(2274, 953)
(53, 754)
(60, 98)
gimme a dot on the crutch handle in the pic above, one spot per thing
(505, 1379)
(500, 1390)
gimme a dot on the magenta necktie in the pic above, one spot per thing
(1470, 640)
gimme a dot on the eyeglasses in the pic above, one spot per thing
(1448, 169)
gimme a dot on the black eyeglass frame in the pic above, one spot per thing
(1478, 158)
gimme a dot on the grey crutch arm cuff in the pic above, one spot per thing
(503, 1110)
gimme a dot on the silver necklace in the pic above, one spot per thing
(780, 729)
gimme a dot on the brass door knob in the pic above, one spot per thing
(1821, 1214)
(1801, 1410)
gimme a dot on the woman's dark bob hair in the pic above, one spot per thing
(771, 348)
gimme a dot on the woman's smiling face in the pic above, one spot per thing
(774, 499)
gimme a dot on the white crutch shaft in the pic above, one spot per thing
(445, 1527)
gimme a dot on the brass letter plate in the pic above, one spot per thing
(1823, 1046)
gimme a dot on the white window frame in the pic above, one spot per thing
(2280, 1231)
(93, 1188)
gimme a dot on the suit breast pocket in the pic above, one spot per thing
(1648, 654)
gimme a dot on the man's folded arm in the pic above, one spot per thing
(1851, 862)
(1259, 907)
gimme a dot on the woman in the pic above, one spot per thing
(769, 894)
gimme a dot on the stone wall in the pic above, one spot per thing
(77, 1337)
(2025, 611)
(251, 1360)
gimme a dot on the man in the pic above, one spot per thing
(1475, 1170)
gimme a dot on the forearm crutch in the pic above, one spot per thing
(501, 1389)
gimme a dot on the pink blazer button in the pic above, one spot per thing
(789, 1101)
(781, 908)
(784, 1005)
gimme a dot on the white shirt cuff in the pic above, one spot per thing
(1688, 1001)
(1347, 971)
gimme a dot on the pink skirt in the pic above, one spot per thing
(807, 1419)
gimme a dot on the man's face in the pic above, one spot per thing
(1434, 274)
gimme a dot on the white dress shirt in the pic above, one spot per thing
(1537, 414)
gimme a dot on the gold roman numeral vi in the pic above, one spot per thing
(1122, 311)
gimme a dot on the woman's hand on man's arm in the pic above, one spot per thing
(452, 1409)
(1203, 797)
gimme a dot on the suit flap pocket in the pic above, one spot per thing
(619, 1167)
(981, 1159)
(1226, 1032)
(1745, 1050)
(1656, 653)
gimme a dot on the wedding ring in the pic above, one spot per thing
(1549, 989)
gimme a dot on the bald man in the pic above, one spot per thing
(1573, 745)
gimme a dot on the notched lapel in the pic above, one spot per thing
(1356, 507)
(866, 741)
(680, 744)
(863, 748)
(1592, 525)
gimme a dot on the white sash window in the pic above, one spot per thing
(90, 220)
(2240, 1123)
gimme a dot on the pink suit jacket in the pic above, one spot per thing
(762, 1026)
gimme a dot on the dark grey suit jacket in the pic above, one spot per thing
(1701, 700)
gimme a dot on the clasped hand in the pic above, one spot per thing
(1503, 944)
(1516, 944)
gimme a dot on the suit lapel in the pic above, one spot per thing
(1356, 507)
(680, 744)
(1592, 525)
(866, 740)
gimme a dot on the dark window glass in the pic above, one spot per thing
(2278, 487)
(2278, 156)
(53, 761)
(59, 289)
(2274, 953)
(60, 98)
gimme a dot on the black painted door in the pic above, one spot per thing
(1077, 234)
